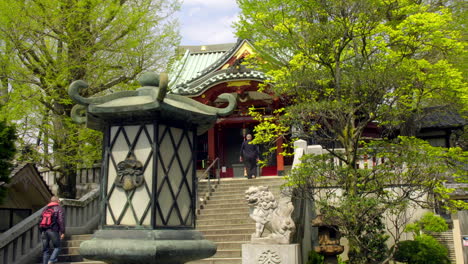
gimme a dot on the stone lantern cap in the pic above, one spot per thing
(320, 221)
(149, 102)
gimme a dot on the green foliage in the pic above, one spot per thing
(315, 258)
(269, 131)
(410, 165)
(429, 223)
(47, 44)
(7, 153)
(360, 220)
(423, 250)
(344, 64)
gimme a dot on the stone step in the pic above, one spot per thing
(71, 243)
(258, 181)
(230, 245)
(70, 250)
(222, 226)
(215, 211)
(223, 216)
(229, 191)
(247, 184)
(223, 195)
(235, 194)
(226, 201)
(228, 253)
(236, 221)
(205, 188)
(228, 231)
(276, 181)
(223, 207)
(231, 237)
(241, 190)
(217, 261)
(79, 237)
(270, 184)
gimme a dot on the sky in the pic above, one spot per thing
(204, 22)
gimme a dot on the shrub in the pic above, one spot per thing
(423, 250)
(315, 258)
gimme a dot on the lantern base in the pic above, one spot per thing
(147, 246)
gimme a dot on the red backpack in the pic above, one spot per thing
(48, 218)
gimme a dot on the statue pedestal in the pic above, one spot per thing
(276, 253)
(147, 246)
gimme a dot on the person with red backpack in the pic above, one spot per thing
(52, 227)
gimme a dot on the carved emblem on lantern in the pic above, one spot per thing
(129, 174)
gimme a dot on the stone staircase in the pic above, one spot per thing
(69, 252)
(223, 219)
(446, 239)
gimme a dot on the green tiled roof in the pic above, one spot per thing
(192, 64)
(211, 79)
(198, 69)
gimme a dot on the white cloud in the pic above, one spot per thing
(208, 21)
(207, 33)
(212, 4)
(193, 11)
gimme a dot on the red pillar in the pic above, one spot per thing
(211, 150)
(211, 144)
(279, 157)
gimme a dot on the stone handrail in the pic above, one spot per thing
(83, 175)
(301, 148)
(203, 197)
(21, 244)
(82, 216)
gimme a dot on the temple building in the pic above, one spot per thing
(204, 72)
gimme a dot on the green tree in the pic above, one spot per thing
(406, 175)
(424, 249)
(45, 45)
(7, 153)
(342, 65)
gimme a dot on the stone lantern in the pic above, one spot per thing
(329, 240)
(148, 186)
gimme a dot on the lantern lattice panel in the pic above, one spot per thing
(165, 198)
(175, 176)
(127, 141)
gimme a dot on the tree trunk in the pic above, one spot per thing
(65, 152)
(409, 127)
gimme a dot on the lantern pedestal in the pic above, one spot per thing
(147, 246)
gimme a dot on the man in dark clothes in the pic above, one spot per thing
(249, 154)
(53, 234)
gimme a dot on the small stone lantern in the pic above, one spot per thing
(329, 240)
(148, 186)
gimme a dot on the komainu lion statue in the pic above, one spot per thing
(273, 215)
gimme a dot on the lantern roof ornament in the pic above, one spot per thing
(151, 101)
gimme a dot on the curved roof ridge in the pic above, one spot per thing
(178, 68)
(218, 63)
(199, 86)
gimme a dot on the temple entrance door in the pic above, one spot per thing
(229, 138)
(232, 143)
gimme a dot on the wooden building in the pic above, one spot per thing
(204, 72)
(27, 193)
